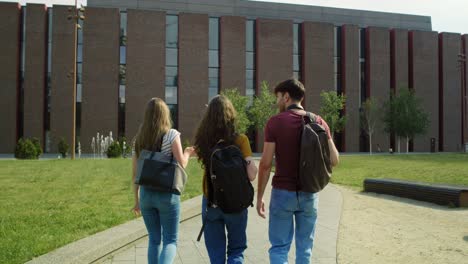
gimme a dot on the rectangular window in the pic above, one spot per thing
(297, 51)
(172, 31)
(171, 57)
(250, 59)
(213, 57)
(337, 59)
(171, 83)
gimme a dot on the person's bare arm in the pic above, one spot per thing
(334, 154)
(136, 187)
(264, 175)
(251, 168)
(181, 157)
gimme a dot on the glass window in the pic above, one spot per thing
(78, 92)
(213, 72)
(250, 60)
(171, 71)
(122, 93)
(214, 33)
(123, 23)
(123, 74)
(171, 57)
(212, 92)
(250, 74)
(49, 57)
(213, 58)
(296, 75)
(171, 80)
(172, 31)
(214, 82)
(123, 55)
(50, 23)
(337, 64)
(79, 53)
(296, 38)
(362, 43)
(296, 62)
(79, 73)
(337, 48)
(249, 84)
(250, 35)
(173, 110)
(171, 95)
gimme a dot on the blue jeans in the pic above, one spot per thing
(161, 211)
(285, 208)
(215, 234)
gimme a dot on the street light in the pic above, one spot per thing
(462, 65)
(76, 14)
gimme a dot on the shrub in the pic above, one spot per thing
(37, 144)
(128, 147)
(25, 149)
(114, 150)
(63, 147)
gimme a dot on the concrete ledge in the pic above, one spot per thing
(97, 246)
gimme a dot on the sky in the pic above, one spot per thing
(447, 15)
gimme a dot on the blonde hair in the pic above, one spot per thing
(156, 123)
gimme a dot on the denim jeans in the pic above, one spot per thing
(161, 211)
(215, 235)
(286, 208)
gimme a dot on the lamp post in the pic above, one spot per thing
(76, 14)
(462, 65)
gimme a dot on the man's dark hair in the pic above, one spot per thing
(293, 87)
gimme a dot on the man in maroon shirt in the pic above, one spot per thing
(288, 204)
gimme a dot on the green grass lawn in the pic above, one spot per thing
(46, 204)
(436, 168)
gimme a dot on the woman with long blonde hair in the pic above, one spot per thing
(160, 210)
(219, 123)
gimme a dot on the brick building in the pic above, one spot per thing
(187, 51)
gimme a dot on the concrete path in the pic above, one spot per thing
(190, 251)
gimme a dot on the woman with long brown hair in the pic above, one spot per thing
(219, 123)
(160, 210)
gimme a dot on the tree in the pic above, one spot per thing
(332, 104)
(263, 107)
(370, 114)
(240, 104)
(405, 116)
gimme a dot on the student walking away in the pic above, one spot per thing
(159, 198)
(225, 156)
(304, 153)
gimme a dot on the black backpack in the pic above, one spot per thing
(314, 163)
(229, 187)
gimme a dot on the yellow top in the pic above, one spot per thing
(242, 141)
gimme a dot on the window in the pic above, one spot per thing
(297, 51)
(171, 84)
(213, 57)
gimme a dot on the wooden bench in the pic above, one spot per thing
(456, 196)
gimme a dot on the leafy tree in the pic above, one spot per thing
(370, 114)
(405, 116)
(240, 103)
(332, 104)
(263, 107)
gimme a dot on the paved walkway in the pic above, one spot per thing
(190, 251)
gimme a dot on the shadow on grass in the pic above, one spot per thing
(448, 208)
(465, 238)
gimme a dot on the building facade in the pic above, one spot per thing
(188, 51)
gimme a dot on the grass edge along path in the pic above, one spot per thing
(46, 204)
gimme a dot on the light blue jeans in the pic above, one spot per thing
(161, 213)
(292, 213)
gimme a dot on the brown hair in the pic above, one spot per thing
(219, 122)
(156, 123)
(293, 87)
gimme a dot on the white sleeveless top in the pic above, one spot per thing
(168, 139)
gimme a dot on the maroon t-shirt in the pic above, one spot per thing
(284, 129)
